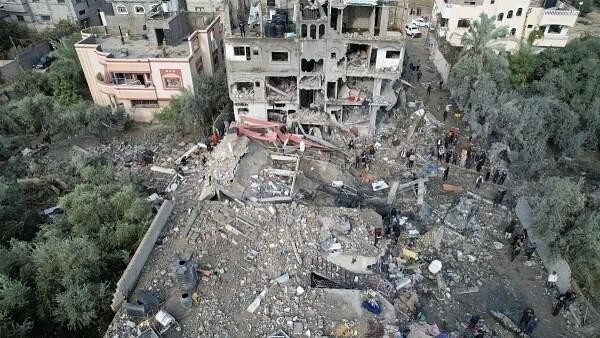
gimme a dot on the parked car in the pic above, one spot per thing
(421, 22)
(43, 62)
(412, 30)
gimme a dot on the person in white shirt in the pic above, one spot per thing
(552, 279)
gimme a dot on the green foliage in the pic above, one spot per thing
(10, 30)
(557, 205)
(31, 83)
(522, 66)
(61, 29)
(14, 300)
(79, 305)
(12, 208)
(65, 74)
(197, 110)
(480, 36)
(581, 245)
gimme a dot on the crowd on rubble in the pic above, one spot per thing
(448, 150)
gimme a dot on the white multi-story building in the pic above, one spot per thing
(552, 18)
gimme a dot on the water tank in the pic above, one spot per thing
(279, 30)
(550, 3)
(186, 275)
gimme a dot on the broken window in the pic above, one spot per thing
(392, 54)
(281, 88)
(356, 19)
(172, 82)
(239, 51)
(333, 55)
(554, 29)
(334, 18)
(331, 90)
(311, 65)
(465, 23)
(279, 56)
(358, 55)
(255, 51)
(257, 84)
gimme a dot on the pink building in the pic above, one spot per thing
(141, 75)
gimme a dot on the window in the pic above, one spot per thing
(270, 3)
(239, 51)
(554, 29)
(82, 12)
(121, 9)
(139, 9)
(303, 31)
(20, 18)
(333, 55)
(60, 1)
(492, 2)
(509, 14)
(321, 31)
(513, 31)
(463, 23)
(519, 11)
(172, 82)
(255, 51)
(392, 54)
(144, 103)
(529, 26)
(35, 0)
(257, 84)
(279, 56)
(313, 31)
(500, 16)
(45, 17)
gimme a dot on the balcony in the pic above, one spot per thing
(552, 40)
(559, 17)
(129, 92)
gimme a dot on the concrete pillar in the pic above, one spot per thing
(377, 87)
(340, 20)
(372, 21)
(372, 118)
(384, 19)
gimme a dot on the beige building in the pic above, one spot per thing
(142, 73)
(552, 18)
(314, 64)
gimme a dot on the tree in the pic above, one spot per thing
(11, 32)
(197, 110)
(557, 205)
(522, 65)
(78, 306)
(14, 301)
(31, 83)
(477, 42)
(65, 74)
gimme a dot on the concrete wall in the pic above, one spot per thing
(9, 69)
(30, 55)
(440, 63)
(131, 274)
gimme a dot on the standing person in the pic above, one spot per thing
(242, 29)
(570, 299)
(552, 279)
(419, 74)
(526, 317)
(412, 11)
(429, 89)
(454, 157)
(446, 171)
(532, 325)
(502, 178)
(479, 165)
(478, 182)
(441, 151)
(441, 84)
(559, 305)
(508, 231)
(411, 159)
(448, 155)
(445, 114)
(496, 176)
(516, 250)
(488, 172)
(529, 250)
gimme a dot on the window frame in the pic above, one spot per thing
(519, 12)
(119, 7)
(172, 77)
(500, 17)
(509, 14)
(287, 59)
(237, 48)
(395, 56)
(463, 20)
(136, 7)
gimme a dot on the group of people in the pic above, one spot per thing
(564, 302)
(520, 242)
(365, 157)
(528, 321)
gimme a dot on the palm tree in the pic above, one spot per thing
(477, 42)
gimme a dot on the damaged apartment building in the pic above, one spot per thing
(314, 64)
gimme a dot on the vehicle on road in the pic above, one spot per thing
(421, 22)
(412, 30)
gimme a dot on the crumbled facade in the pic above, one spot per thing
(314, 64)
(551, 18)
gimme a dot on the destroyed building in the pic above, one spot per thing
(314, 64)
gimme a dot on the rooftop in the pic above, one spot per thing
(131, 47)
